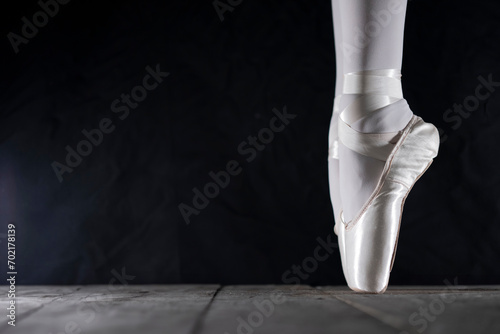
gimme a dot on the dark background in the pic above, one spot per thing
(119, 208)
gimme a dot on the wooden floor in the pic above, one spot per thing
(194, 309)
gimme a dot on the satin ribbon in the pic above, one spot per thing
(378, 89)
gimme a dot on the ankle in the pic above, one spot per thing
(372, 101)
(391, 118)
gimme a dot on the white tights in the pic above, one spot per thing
(368, 36)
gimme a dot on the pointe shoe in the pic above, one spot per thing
(370, 239)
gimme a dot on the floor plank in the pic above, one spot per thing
(300, 309)
(211, 309)
(130, 309)
(30, 299)
(435, 310)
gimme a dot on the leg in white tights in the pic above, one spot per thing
(378, 148)
(371, 38)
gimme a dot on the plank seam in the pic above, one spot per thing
(199, 321)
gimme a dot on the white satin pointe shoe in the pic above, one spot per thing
(367, 243)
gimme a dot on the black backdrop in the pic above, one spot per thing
(118, 210)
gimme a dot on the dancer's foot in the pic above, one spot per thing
(383, 150)
(373, 113)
